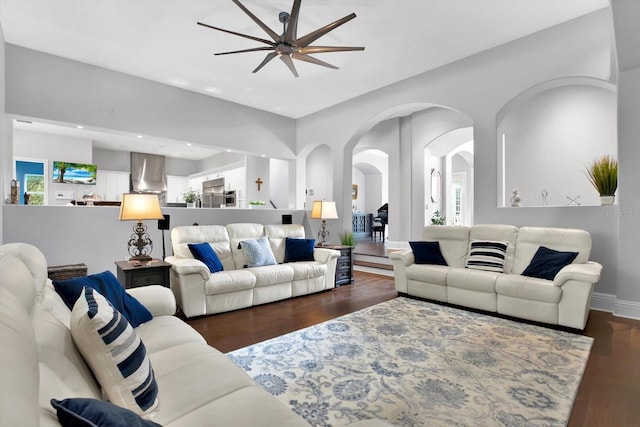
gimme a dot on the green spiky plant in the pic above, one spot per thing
(347, 238)
(603, 175)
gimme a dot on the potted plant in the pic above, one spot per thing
(256, 204)
(603, 175)
(346, 238)
(438, 219)
(191, 196)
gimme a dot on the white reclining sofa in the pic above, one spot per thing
(198, 386)
(565, 300)
(200, 292)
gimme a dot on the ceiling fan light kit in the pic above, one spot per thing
(288, 46)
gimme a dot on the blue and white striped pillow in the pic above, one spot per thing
(487, 255)
(114, 352)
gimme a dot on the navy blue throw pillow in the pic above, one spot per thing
(205, 253)
(546, 263)
(107, 285)
(84, 412)
(427, 253)
(299, 249)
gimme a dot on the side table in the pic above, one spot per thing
(344, 267)
(154, 272)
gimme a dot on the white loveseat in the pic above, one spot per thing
(565, 300)
(200, 292)
(198, 385)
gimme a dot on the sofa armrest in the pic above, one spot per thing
(323, 255)
(184, 266)
(404, 256)
(159, 300)
(588, 272)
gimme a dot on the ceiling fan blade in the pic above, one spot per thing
(315, 35)
(239, 34)
(272, 34)
(311, 59)
(324, 49)
(255, 49)
(287, 60)
(266, 59)
(292, 27)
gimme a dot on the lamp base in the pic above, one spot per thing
(323, 234)
(140, 245)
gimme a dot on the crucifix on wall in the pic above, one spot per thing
(259, 182)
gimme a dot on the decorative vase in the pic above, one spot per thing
(607, 200)
(191, 204)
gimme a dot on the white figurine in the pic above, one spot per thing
(516, 200)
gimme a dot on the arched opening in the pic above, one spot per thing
(546, 137)
(370, 189)
(449, 178)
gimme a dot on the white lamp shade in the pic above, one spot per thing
(138, 207)
(324, 210)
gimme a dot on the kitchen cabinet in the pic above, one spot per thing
(110, 185)
(176, 186)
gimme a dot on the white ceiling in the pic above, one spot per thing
(159, 40)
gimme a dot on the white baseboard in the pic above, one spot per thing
(610, 303)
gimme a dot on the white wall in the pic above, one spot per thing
(279, 170)
(319, 171)
(258, 167)
(550, 139)
(76, 93)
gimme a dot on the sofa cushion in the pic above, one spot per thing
(19, 364)
(229, 281)
(272, 274)
(500, 233)
(115, 353)
(546, 263)
(308, 270)
(298, 249)
(560, 239)
(258, 252)
(165, 332)
(80, 412)
(109, 287)
(427, 253)
(454, 242)
(473, 280)
(239, 232)
(278, 233)
(528, 288)
(215, 235)
(427, 273)
(205, 253)
(487, 255)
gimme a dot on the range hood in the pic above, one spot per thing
(148, 173)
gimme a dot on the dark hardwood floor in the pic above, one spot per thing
(609, 394)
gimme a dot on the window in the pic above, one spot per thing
(34, 187)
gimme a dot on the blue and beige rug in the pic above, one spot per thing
(414, 363)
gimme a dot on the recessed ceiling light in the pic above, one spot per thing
(264, 155)
(228, 150)
(80, 127)
(212, 90)
(188, 144)
(139, 136)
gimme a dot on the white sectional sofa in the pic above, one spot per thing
(198, 385)
(565, 300)
(200, 292)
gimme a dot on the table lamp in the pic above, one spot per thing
(323, 210)
(139, 207)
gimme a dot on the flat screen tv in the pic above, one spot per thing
(74, 173)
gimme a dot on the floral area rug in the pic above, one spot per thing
(414, 363)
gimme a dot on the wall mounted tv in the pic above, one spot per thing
(74, 173)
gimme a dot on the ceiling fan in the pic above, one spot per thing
(288, 45)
